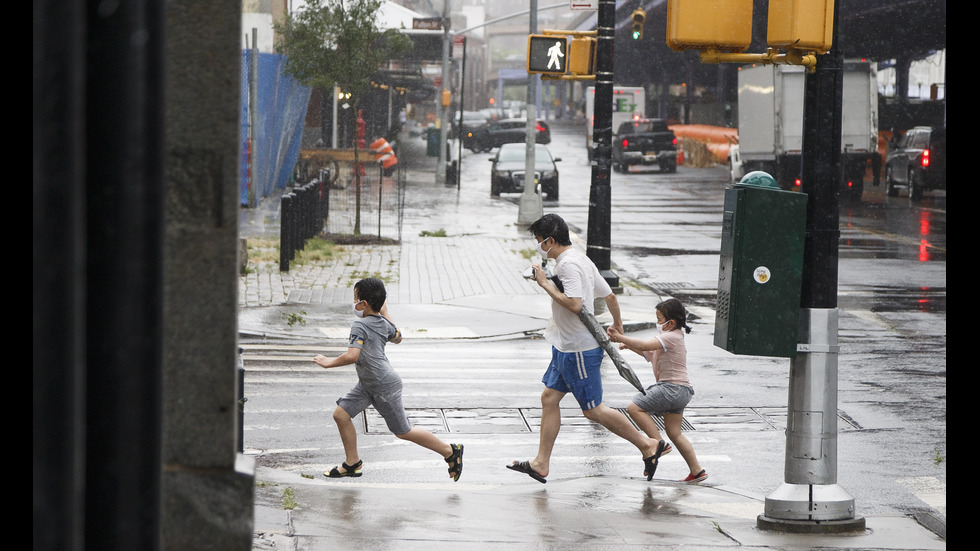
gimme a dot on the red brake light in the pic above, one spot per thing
(925, 158)
(626, 143)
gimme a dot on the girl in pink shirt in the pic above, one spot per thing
(673, 390)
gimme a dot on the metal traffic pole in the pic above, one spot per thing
(600, 199)
(530, 208)
(810, 500)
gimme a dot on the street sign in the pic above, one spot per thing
(547, 54)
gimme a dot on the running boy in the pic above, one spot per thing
(673, 390)
(377, 383)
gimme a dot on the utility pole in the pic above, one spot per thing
(530, 208)
(600, 200)
(443, 109)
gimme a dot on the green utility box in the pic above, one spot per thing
(761, 271)
(432, 137)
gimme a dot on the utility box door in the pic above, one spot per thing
(761, 271)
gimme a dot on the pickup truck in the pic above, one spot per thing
(918, 163)
(644, 142)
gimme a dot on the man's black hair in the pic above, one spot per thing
(551, 225)
(372, 291)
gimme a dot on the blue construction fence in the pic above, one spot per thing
(281, 107)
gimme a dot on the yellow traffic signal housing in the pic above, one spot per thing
(801, 25)
(581, 56)
(723, 25)
(639, 16)
(547, 54)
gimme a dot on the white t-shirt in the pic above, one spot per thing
(581, 279)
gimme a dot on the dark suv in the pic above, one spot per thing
(918, 163)
(497, 133)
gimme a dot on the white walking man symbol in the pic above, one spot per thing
(554, 53)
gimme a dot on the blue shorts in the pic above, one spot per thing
(388, 405)
(578, 373)
(665, 398)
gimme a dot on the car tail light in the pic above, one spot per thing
(540, 128)
(925, 158)
(626, 143)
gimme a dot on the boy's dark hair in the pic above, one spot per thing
(551, 225)
(672, 309)
(372, 291)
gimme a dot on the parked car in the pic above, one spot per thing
(507, 172)
(918, 163)
(644, 142)
(497, 133)
(471, 121)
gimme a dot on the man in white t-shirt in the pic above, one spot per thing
(576, 357)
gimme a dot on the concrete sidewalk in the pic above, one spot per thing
(471, 286)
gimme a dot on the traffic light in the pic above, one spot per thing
(547, 54)
(723, 25)
(581, 56)
(639, 16)
(801, 25)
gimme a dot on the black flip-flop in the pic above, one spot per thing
(650, 463)
(525, 467)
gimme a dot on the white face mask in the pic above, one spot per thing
(358, 313)
(660, 327)
(541, 251)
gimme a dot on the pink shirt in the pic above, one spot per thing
(670, 362)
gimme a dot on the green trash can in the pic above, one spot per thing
(432, 141)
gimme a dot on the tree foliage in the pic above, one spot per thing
(338, 42)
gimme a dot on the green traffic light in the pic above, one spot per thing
(636, 35)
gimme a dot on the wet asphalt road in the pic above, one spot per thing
(666, 234)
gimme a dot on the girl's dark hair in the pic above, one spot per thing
(672, 309)
(372, 291)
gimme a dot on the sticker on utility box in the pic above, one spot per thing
(761, 275)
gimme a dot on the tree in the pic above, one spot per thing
(338, 41)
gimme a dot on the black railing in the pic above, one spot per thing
(302, 213)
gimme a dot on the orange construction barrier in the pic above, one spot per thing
(717, 139)
(384, 155)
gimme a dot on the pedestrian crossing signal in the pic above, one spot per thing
(547, 54)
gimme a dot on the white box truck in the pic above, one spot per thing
(628, 102)
(770, 125)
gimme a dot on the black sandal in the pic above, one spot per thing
(651, 463)
(455, 461)
(349, 470)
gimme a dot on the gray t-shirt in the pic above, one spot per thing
(374, 372)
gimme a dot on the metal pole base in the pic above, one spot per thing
(529, 209)
(811, 508)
